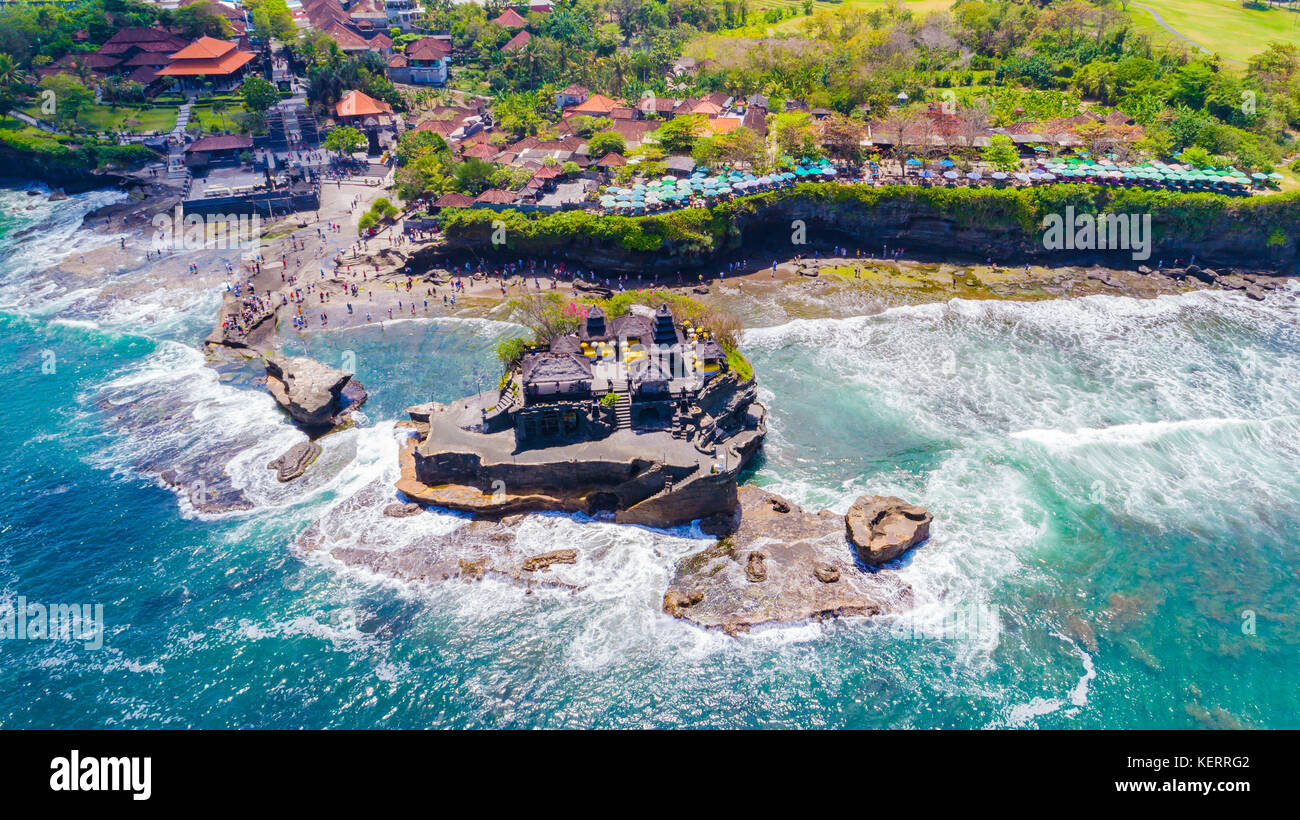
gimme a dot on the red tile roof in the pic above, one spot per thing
(428, 48)
(440, 127)
(454, 200)
(496, 196)
(510, 19)
(595, 105)
(517, 42)
(480, 151)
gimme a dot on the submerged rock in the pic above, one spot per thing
(403, 510)
(543, 562)
(295, 460)
(881, 528)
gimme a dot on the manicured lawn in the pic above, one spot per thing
(1222, 26)
(136, 119)
(227, 120)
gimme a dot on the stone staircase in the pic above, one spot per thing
(176, 153)
(508, 397)
(623, 411)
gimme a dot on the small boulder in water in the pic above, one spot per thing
(881, 528)
(312, 393)
(402, 510)
(295, 460)
(826, 573)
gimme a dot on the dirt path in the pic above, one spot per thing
(1161, 22)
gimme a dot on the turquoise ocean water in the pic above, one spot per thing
(1115, 482)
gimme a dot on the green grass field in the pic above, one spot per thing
(1222, 26)
(122, 118)
(757, 27)
(227, 120)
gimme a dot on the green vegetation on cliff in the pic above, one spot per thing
(695, 233)
(67, 156)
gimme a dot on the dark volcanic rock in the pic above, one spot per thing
(773, 567)
(295, 460)
(881, 528)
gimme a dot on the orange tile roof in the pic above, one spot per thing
(725, 125)
(203, 48)
(356, 104)
(206, 56)
(595, 104)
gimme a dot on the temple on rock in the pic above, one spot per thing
(637, 415)
(641, 371)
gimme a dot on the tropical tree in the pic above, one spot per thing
(678, 136)
(606, 142)
(344, 139)
(259, 95)
(1002, 153)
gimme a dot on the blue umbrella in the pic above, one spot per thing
(950, 174)
(913, 161)
(946, 163)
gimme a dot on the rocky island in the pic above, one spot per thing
(636, 415)
(638, 418)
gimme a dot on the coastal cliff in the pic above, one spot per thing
(1258, 233)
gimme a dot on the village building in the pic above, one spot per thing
(424, 62)
(225, 149)
(571, 95)
(510, 19)
(208, 59)
(402, 14)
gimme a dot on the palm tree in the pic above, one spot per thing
(9, 73)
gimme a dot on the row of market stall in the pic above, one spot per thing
(703, 187)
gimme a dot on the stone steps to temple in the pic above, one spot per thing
(623, 412)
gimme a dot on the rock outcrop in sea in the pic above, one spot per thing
(317, 397)
(652, 478)
(775, 563)
(881, 528)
